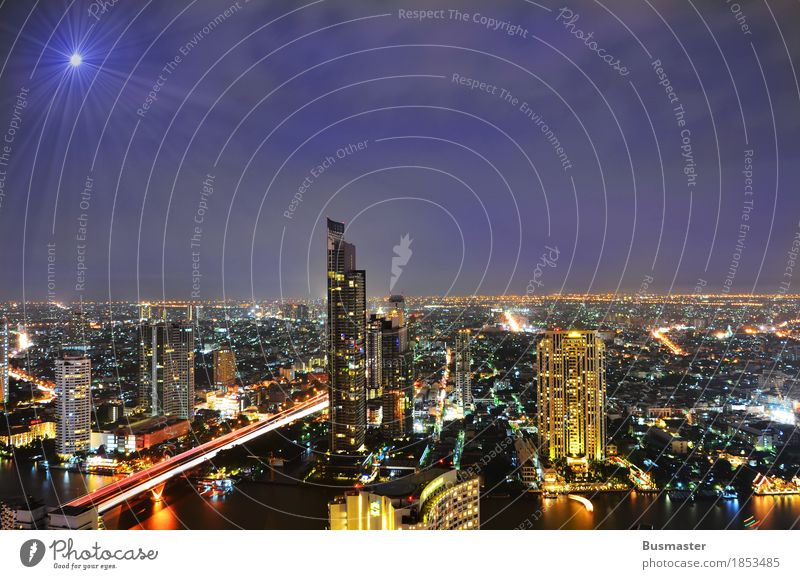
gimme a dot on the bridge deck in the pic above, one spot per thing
(118, 492)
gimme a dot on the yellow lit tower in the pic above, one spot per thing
(571, 394)
(224, 368)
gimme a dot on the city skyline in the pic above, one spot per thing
(444, 375)
(346, 265)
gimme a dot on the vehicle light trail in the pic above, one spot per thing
(45, 385)
(116, 493)
(660, 334)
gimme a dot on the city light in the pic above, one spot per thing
(660, 334)
(513, 324)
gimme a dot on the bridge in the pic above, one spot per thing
(118, 492)
(23, 376)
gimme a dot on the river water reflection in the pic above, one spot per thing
(255, 505)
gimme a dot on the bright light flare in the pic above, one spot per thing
(660, 334)
(75, 60)
(514, 326)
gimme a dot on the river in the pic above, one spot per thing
(264, 505)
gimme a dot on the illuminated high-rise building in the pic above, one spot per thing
(374, 359)
(448, 502)
(224, 368)
(397, 373)
(389, 371)
(346, 344)
(571, 394)
(166, 369)
(4, 368)
(364, 511)
(73, 404)
(463, 370)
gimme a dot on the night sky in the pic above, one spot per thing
(215, 137)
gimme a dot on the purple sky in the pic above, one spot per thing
(262, 96)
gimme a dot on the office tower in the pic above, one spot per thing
(346, 347)
(4, 368)
(364, 511)
(463, 367)
(571, 395)
(396, 375)
(224, 368)
(166, 369)
(374, 360)
(448, 502)
(389, 374)
(73, 404)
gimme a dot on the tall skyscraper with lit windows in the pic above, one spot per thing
(391, 358)
(346, 344)
(166, 369)
(4, 368)
(374, 359)
(571, 394)
(463, 370)
(73, 404)
(224, 368)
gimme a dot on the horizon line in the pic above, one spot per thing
(571, 296)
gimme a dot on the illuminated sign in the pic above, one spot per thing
(375, 508)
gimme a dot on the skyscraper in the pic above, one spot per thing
(224, 368)
(346, 347)
(4, 360)
(166, 369)
(397, 374)
(73, 404)
(374, 359)
(389, 371)
(571, 395)
(463, 366)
